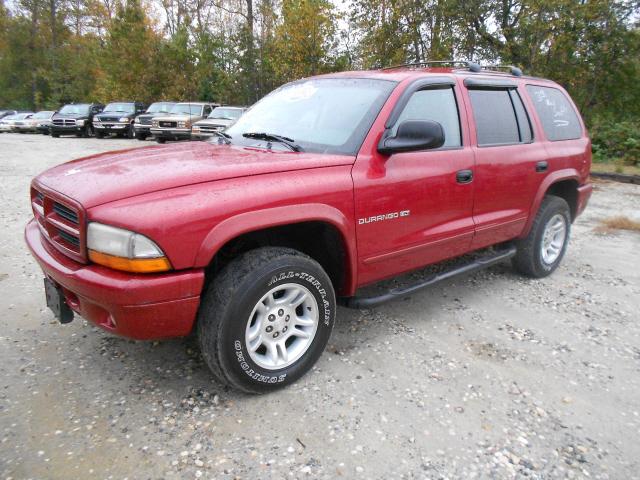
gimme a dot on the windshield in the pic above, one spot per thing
(160, 107)
(43, 114)
(225, 113)
(186, 109)
(120, 108)
(324, 115)
(79, 109)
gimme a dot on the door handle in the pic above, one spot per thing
(464, 176)
(542, 166)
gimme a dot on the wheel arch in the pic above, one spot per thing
(318, 230)
(561, 183)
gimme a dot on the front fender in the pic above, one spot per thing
(255, 220)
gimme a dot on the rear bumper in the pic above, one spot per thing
(142, 307)
(584, 194)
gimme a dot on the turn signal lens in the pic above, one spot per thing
(135, 265)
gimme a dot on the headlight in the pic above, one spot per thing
(123, 119)
(195, 128)
(154, 123)
(122, 249)
(80, 123)
(186, 124)
(137, 120)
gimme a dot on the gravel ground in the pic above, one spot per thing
(486, 376)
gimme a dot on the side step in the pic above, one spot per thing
(477, 264)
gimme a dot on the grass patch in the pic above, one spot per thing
(615, 168)
(619, 222)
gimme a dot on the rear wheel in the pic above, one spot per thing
(265, 319)
(540, 253)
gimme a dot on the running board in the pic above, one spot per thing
(477, 264)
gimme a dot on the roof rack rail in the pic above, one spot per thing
(513, 70)
(474, 67)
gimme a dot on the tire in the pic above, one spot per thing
(86, 132)
(99, 134)
(55, 135)
(229, 312)
(141, 136)
(130, 132)
(161, 140)
(539, 255)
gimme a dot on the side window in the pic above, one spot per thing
(524, 125)
(559, 119)
(438, 105)
(495, 117)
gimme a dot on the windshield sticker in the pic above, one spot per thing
(299, 92)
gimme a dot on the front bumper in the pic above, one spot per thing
(137, 306)
(584, 194)
(110, 127)
(138, 127)
(67, 129)
(171, 132)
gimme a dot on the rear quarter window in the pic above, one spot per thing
(557, 116)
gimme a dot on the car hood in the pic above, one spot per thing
(112, 176)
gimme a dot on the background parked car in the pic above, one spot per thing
(8, 123)
(75, 119)
(117, 117)
(6, 113)
(142, 123)
(33, 123)
(219, 119)
(177, 124)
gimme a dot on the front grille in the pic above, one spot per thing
(64, 122)
(65, 212)
(108, 119)
(61, 223)
(67, 237)
(168, 124)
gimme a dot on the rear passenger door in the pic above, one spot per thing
(509, 163)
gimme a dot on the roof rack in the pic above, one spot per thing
(472, 66)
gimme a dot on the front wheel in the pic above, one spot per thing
(540, 253)
(161, 140)
(99, 134)
(265, 319)
(141, 136)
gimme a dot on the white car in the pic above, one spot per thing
(33, 124)
(7, 124)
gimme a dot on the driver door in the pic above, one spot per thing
(415, 208)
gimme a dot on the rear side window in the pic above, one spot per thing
(438, 105)
(500, 117)
(559, 119)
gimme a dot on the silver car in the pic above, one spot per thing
(219, 119)
(8, 124)
(176, 125)
(33, 124)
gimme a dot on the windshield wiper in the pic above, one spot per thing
(225, 137)
(289, 142)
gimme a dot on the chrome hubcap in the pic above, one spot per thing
(281, 326)
(553, 238)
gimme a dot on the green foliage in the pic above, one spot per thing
(616, 141)
(235, 51)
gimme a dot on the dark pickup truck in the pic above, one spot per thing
(75, 119)
(118, 118)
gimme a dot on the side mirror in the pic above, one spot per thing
(413, 135)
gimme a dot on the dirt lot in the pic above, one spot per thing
(486, 376)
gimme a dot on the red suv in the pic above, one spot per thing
(326, 185)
